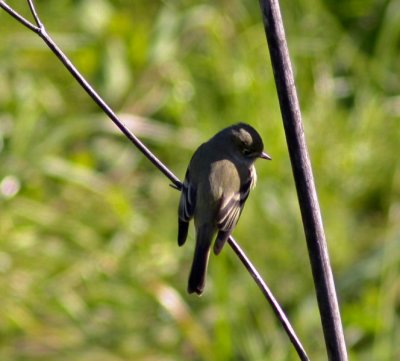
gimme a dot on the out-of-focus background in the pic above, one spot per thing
(89, 264)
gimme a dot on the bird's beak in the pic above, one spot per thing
(264, 155)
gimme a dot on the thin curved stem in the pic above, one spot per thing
(280, 314)
(104, 106)
(41, 31)
(34, 13)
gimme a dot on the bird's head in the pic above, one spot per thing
(247, 142)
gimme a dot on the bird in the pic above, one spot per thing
(217, 182)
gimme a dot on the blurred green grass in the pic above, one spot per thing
(89, 265)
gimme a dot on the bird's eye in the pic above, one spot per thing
(246, 151)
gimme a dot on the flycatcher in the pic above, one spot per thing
(217, 183)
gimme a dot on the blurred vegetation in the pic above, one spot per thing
(89, 264)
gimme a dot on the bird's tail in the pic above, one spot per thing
(197, 278)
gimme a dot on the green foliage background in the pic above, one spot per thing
(89, 265)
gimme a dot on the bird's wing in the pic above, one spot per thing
(231, 207)
(188, 199)
(186, 209)
(229, 211)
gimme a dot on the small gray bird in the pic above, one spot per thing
(217, 183)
